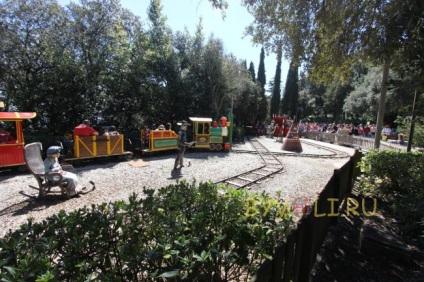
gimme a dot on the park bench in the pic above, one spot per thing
(35, 164)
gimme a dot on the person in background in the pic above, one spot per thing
(51, 164)
(385, 133)
(113, 131)
(373, 129)
(105, 131)
(271, 130)
(9, 138)
(85, 129)
(145, 137)
(367, 130)
(161, 127)
(168, 126)
(401, 139)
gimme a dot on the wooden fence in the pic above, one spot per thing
(363, 143)
(293, 259)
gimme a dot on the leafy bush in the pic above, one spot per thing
(397, 176)
(180, 232)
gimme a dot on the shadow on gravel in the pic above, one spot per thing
(33, 204)
(340, 259)
(204, 155)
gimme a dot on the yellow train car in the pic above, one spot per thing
(91, 147)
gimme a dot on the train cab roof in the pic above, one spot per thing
(16, 116)
(200, 119)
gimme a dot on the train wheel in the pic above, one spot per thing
(212, 147)
(218, 147)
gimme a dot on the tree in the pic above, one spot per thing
(124, 103)
(252, 71)
(289, 104)
(336, 35)
(276, 90)
(35, 62)
(261, 100)
(261, 70)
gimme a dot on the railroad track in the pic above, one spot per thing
(335, 153)
(271, 165)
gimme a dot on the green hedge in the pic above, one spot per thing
(181, 232)
(398, 177)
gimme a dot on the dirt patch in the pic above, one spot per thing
(340, 258)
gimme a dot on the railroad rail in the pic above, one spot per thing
(271, 165)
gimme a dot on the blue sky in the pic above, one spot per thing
(186, 13)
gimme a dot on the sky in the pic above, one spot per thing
(183, 14)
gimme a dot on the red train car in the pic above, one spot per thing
(12, 138)
(283, 126)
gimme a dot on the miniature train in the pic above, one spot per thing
(207, 134)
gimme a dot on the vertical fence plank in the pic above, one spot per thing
(297, 262)
(278, 263)
(289, 256)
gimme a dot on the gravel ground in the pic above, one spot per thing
(301, 177)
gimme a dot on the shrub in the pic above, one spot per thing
(398, 177)
(180, 232)
(405, 126)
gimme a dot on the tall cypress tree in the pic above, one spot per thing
(276, 90)
(291, 91)
(252, 71)
(262, 105)
(261, 71)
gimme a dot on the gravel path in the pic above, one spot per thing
(301, 177)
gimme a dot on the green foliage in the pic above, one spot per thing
(289, 103)
(398, 177)
(95, 60)
(276, 90)
(404, 126)
(184, 231)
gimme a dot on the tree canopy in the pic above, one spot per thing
(96, 60)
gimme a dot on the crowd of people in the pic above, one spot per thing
(364, 130)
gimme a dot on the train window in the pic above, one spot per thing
(8, 133)
(203, 128)
(200, 128)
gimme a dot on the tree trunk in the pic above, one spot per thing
(382, 102)
(411, 130)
